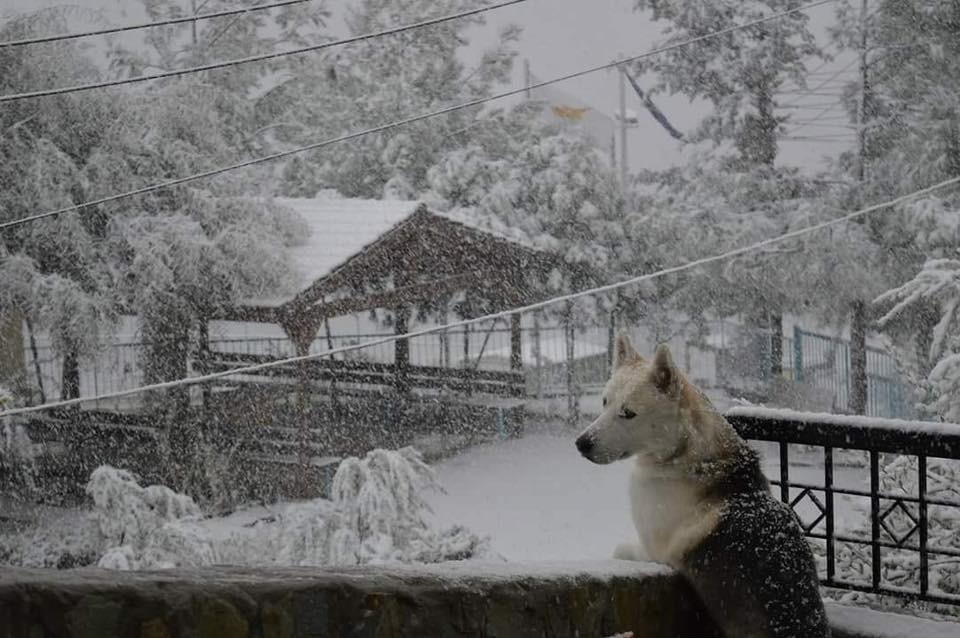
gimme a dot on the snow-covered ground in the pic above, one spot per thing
(539, 500)
(535, 498)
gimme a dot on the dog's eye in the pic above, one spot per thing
(626, 414)
(604, 401)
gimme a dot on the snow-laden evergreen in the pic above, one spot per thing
(937, 369)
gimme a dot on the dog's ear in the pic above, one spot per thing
(624, 353)
(664, 373)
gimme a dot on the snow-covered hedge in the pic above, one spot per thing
(376, 513)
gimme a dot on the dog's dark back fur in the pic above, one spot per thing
(755, 572)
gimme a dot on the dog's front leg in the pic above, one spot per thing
(631, 551)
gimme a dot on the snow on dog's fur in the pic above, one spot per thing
(701, 504)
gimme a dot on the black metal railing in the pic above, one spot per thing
(908, 544)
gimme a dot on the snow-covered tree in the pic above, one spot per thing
(740, 75)
(936, 285)
(706, 207)
(377, 81)
(181, 254)
(53, 274)
(546, 187)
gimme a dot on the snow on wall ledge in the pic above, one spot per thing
(462, 599)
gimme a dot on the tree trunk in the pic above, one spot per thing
(12, 362)
(70, 378)
(858, 358)
(776, 345)
(34, 352)
(927, 320)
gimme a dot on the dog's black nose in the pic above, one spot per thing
(585, 445)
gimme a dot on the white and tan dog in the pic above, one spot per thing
(701, 504)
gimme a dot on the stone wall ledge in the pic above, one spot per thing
(496, 600)
(493, 600)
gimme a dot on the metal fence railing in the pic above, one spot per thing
(556, 361)
(892, 531)
(824, 362)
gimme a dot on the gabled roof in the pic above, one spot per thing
(340, 229)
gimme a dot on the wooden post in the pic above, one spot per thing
(334, 393)
(573, 407)
(516, 343)
(303, 427)
(537, 356)
(444, 342)
(401, 356)
(203, 358)
(302, 332)
(611, 340)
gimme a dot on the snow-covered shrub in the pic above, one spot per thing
(376, 514)
(71, 541)
(128, 513)
(135, 522)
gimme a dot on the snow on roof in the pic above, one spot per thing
(339, 229)
(342, 227)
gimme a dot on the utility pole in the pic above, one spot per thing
(623, 128)
(193, 25)
(527, 78)
(858, 318)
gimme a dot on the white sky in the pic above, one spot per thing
(561, 36)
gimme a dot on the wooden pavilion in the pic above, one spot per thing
(399, 256)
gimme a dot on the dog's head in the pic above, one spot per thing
(641, 409)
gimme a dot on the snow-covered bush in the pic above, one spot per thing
(376, 514)
(70, 541)
(129, 514)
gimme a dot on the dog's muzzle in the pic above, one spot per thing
(585, 445)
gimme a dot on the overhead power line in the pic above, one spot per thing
(404, 122)
(257, 58)
(253, 369)
(816, 90)
(145, 25)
